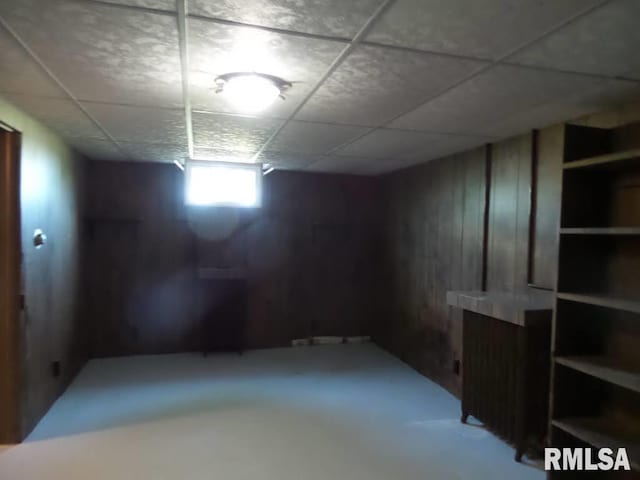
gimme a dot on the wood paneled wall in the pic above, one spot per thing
(307, 256)
(433, 241)
(463, 223)
(53, 347)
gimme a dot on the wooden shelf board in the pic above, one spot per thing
(605, 369)
(602, 301)
(606, 161)
(602, 432)
(601, 231)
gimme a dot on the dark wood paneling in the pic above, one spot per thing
(509, 209)
(548, 194)
(433, 243)
(306, 257)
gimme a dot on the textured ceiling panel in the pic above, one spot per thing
(380, 167)
(155, 152)
(97, 149)
(472, 107)
(20, 74)
(389, 144)
(140, 124)
(375, 84)
(606, 95)
(313, 138)
(335, 164)
(477, 28)
(157, 4)
(102, 53)
(288, 161)
(216, 49)
(61, 115)
(231, 133)
(605, 42)
(221, 155)
(328, 17)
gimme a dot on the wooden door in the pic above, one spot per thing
(10, 288)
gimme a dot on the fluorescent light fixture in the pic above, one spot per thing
(224, 184)
(251, 92)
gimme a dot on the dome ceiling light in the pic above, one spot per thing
(251, 92)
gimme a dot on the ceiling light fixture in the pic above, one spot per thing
(251, 92)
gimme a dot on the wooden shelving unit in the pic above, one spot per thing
(604, 368)
(605, 432)
(595, 399)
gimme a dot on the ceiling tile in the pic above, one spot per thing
(608, 94)
(26, 76)
(102, 53)
(604, 42)
(155, 152)
(232, 133)
(140, 124)
(478, 28)
(222, 155)
(62, 116)
(394, 144)
(157, 4)
(313, 138)
(380, 167)
(216, 49)
(472, 107)
(335, 164)
(97, 149)
(375, 84)
(288, 161)
(327, 17)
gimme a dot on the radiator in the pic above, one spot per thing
(505, 381)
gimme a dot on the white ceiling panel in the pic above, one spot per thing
(169, 5)
(222, 155)
(379, 167)
(97, 149)
(232, 133)
(155, 152)
(140, 124)
(375, 84)
(313, 138)
(288, 161)
(20, 74)
(335, 164)
(102, 53)
(606, 42)
(216, 49)
(479, 28)
(61, 115)
(503, 91)
(392, 144)
(606, 95)
(328, 17)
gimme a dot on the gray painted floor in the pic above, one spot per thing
(331, 412)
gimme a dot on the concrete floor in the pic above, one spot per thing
(332, 412)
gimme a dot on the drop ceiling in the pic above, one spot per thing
(377, 85)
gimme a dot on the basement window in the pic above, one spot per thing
(223, 184)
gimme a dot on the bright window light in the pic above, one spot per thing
(217, 183)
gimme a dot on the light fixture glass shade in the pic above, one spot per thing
(251, 93)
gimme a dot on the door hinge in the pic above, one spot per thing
(22, 302)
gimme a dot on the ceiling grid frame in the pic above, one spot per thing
(182, 16)
(56, 81)
(499, 61)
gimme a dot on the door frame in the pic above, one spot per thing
(10, 287)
